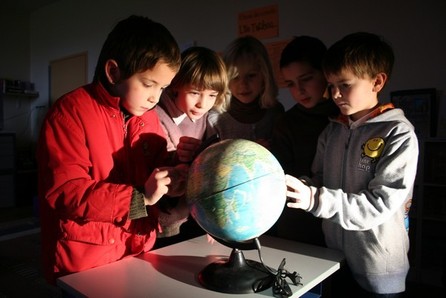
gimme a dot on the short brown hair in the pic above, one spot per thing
(137, 44)
(365, 54)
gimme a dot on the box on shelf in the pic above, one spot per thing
(17, 87)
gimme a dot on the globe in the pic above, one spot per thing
(236, 190)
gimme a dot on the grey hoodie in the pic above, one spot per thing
(368, 170)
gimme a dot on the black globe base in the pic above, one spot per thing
(235, 276)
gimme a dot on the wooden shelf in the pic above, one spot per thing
(17, 88)
(26, 95)
(17, 94)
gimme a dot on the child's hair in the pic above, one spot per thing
(362, 53)
(203, 69)
(304, 49)
(137, 44)
(250, 49)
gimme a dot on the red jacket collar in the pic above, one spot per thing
(104, 97)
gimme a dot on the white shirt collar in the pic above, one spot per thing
(179, 119)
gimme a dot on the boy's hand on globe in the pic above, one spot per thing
(298, 194)
(186, 148)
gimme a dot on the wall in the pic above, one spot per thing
(15, 65)
(417, 31)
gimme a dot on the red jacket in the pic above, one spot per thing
(89, 161)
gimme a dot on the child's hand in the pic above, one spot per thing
(186, 148)
(156, 186)
(178, 177)
(210, 239)
(166, 181)
(298, 194)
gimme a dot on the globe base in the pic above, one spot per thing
(235, 276)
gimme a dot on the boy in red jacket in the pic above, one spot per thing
(102, 151)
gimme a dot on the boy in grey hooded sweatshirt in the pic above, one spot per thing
(364, 170)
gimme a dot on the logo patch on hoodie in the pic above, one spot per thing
(371, 151)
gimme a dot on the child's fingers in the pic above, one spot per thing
(293, 182)
(293, 202)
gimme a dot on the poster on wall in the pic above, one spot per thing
(260, 22)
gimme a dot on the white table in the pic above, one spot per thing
(172, 270)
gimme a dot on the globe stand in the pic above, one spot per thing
(236, 275)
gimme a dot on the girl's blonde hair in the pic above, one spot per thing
(249, 48)
(203, 69)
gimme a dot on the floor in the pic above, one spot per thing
(20, 274)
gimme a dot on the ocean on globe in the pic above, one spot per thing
(236, 190)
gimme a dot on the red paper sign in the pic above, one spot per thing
(261, 22)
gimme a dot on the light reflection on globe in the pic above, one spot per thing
(236, 190)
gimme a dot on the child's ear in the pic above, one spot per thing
(112, 71)
(380, 81)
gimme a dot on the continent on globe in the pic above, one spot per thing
(236, 190)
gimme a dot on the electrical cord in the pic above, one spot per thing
(276, 278)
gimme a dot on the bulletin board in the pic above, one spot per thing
(67, 74)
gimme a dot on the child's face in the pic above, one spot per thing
(307, 85)
(194, 102)
(249, 84)
(141, 92)
(354, 96)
